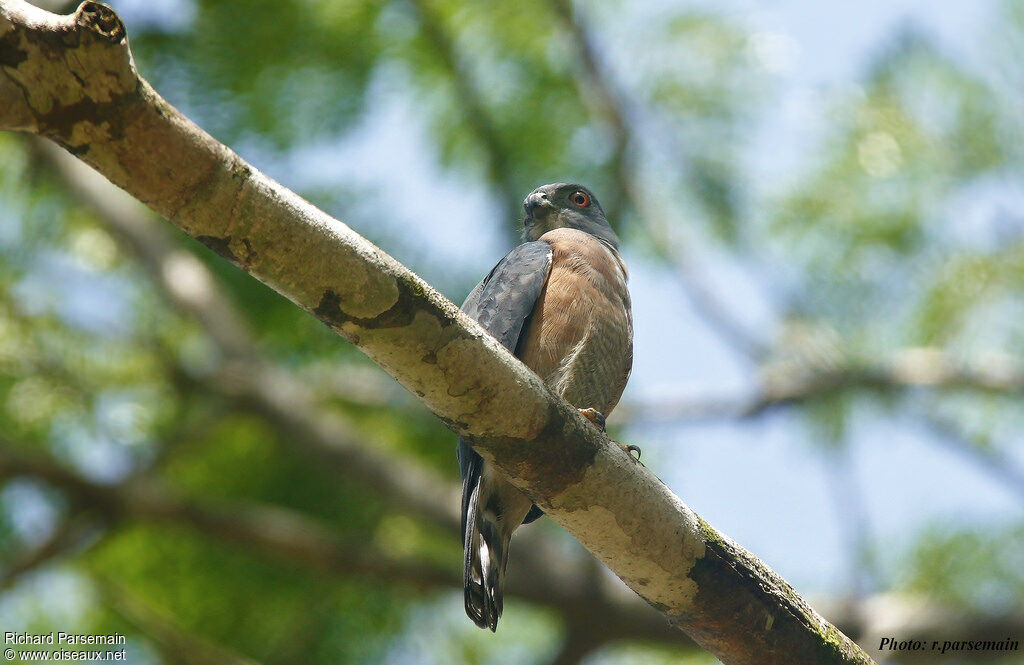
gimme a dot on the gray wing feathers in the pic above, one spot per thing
(503, 301)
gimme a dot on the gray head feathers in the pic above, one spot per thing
(565, 205)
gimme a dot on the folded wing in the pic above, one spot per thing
(502, 303)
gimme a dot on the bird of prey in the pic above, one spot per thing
(558, 302)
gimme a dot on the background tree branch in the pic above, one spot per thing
(595, 614)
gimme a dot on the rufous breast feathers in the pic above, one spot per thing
(580, 336)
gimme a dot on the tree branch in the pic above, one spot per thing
(796, 382)
(72, 79)
(277, 531)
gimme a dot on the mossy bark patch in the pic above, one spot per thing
(735, 588)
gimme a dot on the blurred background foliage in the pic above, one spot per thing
(870, 281)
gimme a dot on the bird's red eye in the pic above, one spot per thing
(581, 199)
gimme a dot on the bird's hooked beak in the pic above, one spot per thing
(537, 204)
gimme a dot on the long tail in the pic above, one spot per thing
(486, 553)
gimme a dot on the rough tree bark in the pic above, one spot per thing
(72, 79)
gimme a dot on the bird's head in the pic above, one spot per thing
(565, 205)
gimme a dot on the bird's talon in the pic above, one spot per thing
(630, 449)
(594, 416)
